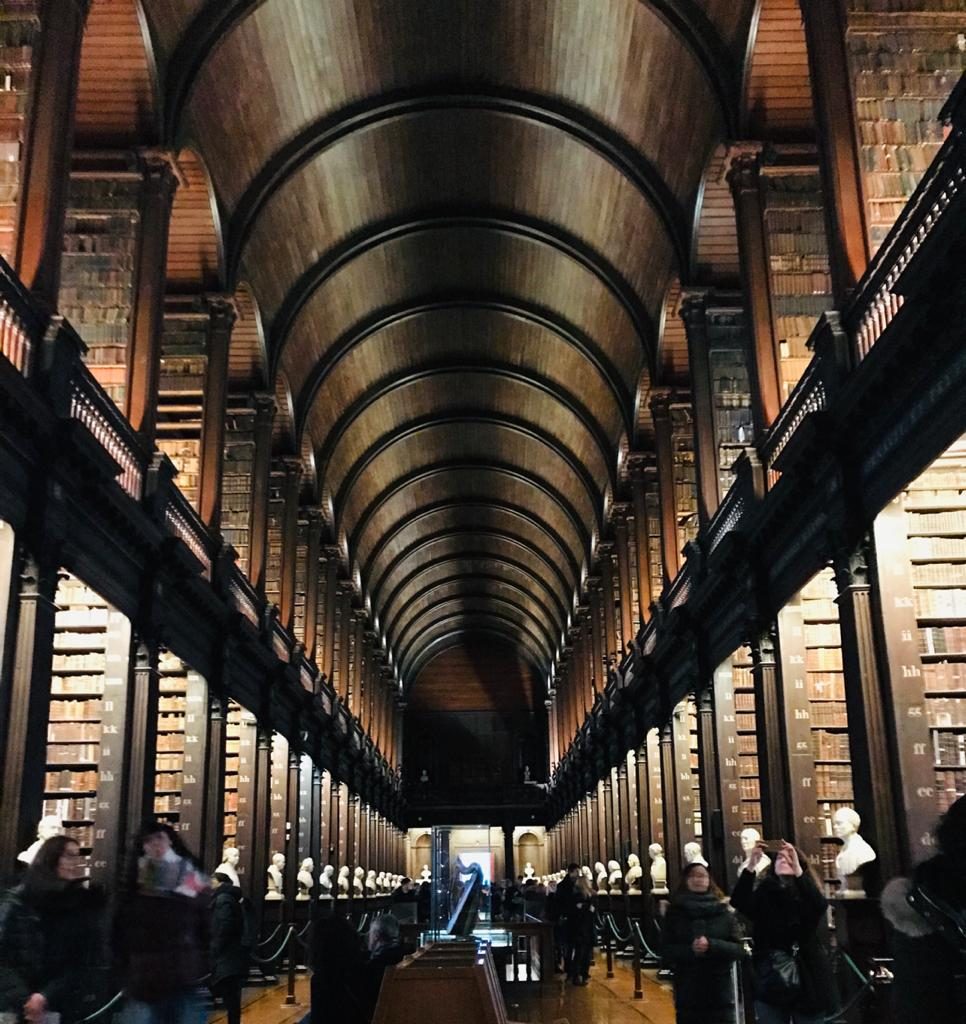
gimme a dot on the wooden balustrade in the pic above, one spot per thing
(21, 326)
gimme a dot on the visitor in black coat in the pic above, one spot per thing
(579, 931)
(563, 904)
(786, 909)
(51, 939)
(930, 958)
(385, 950)
(229, 957)
(336, 959)
(702, 939)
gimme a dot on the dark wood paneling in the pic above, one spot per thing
(479, 675)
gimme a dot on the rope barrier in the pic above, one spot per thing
(622, 939)
(97, 1014)
(272, 960)
(645, 945)
(271, 937)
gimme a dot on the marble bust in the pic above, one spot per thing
(424, 875)
(229, 864)
(305, 880)
(601, 873)
(749, 839)
(358, 888)
(48, 827)
(371, 888)
(528, 871)
(615, 878)
(634, 875)
(276, 877)
(343, 882)
(325, 882)
(658, 870)
(855, 852)
(693, 855)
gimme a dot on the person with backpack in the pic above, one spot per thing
(231, 945)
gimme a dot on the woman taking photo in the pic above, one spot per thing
(701, 941)
(792, 975)
(51, 938)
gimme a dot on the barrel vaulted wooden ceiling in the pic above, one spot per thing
(459, 221)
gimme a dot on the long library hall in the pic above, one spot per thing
(482, 511)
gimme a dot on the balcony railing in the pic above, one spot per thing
(184, 522)
(938, 200)
(21, 326)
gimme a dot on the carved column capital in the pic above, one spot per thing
(744, 166)
(694, 307)
(264, 408)
(222, 310)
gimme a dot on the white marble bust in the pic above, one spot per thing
(371, 888)
(749, 839)
(325, 882)
(658, 870)
(358, 888)
(381, 882)
(855, 852)
(528, 871)
(48, 827)
(343, 882)
(601, 873)
(229, 864)
(615, 878)
(305, 879)
(424, 875)
(634, 874)
(276, 877)
(693, 854)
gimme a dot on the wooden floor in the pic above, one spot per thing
(600, 1002)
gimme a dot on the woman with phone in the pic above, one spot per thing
(791, 970)
(702, 939)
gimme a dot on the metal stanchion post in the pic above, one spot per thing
(638, 988)
(609, 947)
(290, 944)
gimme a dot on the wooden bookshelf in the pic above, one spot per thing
(935, 506)
(18, 33)
(746, 728)
(97, 278)
(731, 397)
(276, 516)
(798, 263)
(237, 481)
(900, 80)
(685, 474)
(169, 765)
(233, 736)
(181, 387)
(825, 687)
(652, 499)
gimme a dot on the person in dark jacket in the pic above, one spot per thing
(385, 950)
(787, 910)
(562, 906)
(229, 957)
(161, 931)
(927, 913)
(51, 938)
(336, 958)
(580, 932)
(702, 939)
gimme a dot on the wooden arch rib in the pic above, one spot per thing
(216, 20)
(470, 618)
(469, 606)
(195, 255)
(432, 471)
(470, 586)
(403, 433)
(456, 637)
(556, 579)
(332, 129)
(511, 224)
(502, 546)
(448, 572)
(529, 313)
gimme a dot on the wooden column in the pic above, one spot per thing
(775, 809)
(637, 466)
(261, 474)
(290, 526)
(656, 785)
(142, 752)
(47, 145)
(214, 821)
(597, 652)
(602, 832)
(313, 568)
(327, 663)
(694, 310)
(763, 358)
(725, 750)
(359, 661)
(624, 805)
(221, 319)
(670, 549)
(845, 213)
(147, 314)
(605, 553)
(642, 790)
(292, 799)
(262, 816)
(672, 825)
(873, 780)
(28, 709)
(345, 638)
(337, 828)
(714, 837)
(621, 512)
